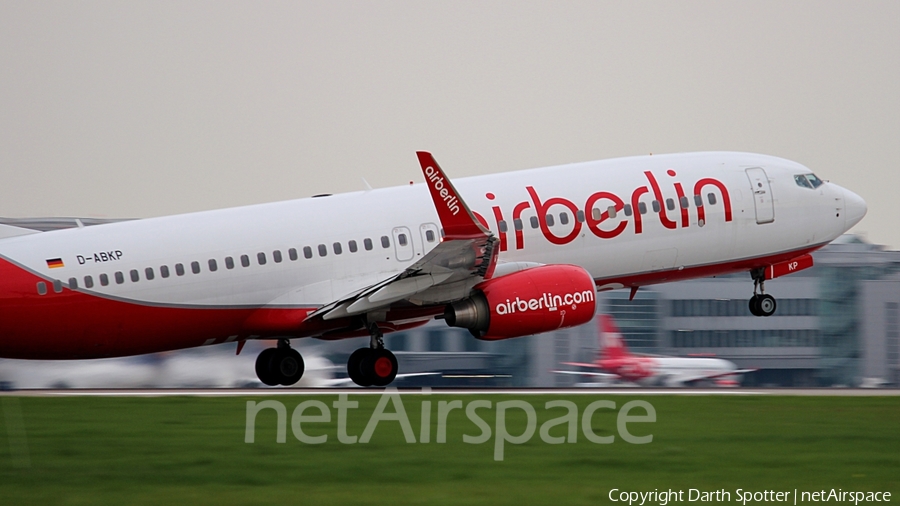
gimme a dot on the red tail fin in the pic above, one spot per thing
(612, 345)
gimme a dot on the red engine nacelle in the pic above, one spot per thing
(527, 302)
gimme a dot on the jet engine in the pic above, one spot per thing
(531, 301)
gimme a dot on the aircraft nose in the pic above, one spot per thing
(854, 208)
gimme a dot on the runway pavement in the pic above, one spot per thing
(268, 392)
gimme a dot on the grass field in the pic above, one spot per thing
(179, 450)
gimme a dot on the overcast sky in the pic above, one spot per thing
(138, 109)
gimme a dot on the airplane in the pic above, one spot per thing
(616, 362)
(527, 257)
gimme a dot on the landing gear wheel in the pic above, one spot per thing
(264, 371)
(754, 305)
(380, 366)
(289, 366)
(766, 305)
(354, 367)
(279, 366)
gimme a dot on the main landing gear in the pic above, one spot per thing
(761, 304)
(279, 366)
(372, 366)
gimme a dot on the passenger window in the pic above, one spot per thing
(670, 204)
(179, 269)
(684, 202)
(229, 263)
(292, 254)
(164, 271)
(501, 225)
(148, 273)
(563, 219)
(596, 214)
(88, 282)
(261, 258)
(429, 235)
(517, 224)
(580, 216)
(698, 201)
(57, 286)
(612, 211)
(655, 205)
(352, 245)
(134, 276)
(627, 209)
(120, 278)
(367, 243)
(41, 288)
(245, 261)
(337, 248)
(307, 252)
(711, 198)
(549, 219)
(642, 208)
(104, 280)
(322, 250)
(276, 255)
(401, 238)
(534, 222)
(195, 267)
(73, 284)
(213, 266)
(385, 242)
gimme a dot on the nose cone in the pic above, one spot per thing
(854, 208)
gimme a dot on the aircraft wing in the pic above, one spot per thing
(587, 373)
(680, 379)
(466, 256)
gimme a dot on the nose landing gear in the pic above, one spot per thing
(280, 366)
(761, 304)
(372, 366)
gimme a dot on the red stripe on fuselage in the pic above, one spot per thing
(74, 325)
(702, 271)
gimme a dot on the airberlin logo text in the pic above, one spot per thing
(549, 301)
(437, 182)
(608, 215)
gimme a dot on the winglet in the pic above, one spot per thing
(456, 217)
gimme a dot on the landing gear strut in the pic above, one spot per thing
(372, 366)
(761, 304)
(280, 366)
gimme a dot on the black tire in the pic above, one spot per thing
(289, 366)
(754, 305)
(381, 367)
(766, 305)
(354, 367)
(264, 369)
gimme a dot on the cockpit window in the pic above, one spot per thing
(808, 181)
(802, 181)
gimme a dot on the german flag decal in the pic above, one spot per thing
(55, 263)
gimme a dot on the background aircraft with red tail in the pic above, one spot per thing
(614, 361)
(503, 255)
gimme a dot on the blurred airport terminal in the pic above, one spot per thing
(837, 324)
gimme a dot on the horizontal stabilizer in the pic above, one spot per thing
(11, 231)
